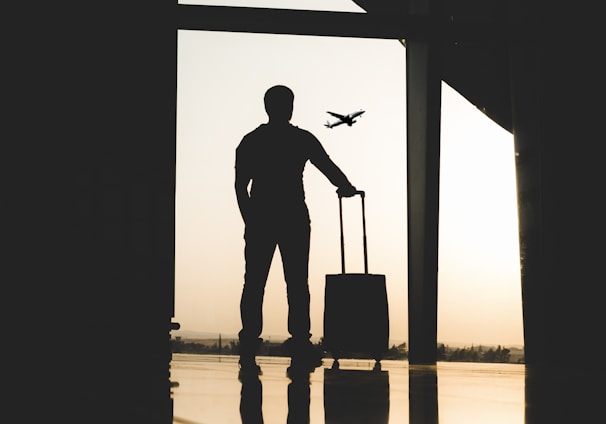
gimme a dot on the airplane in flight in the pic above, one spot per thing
(348, 119)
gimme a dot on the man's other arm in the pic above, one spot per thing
(241, 186)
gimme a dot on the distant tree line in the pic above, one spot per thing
(399, 352)
(474, 354)
(198, 347)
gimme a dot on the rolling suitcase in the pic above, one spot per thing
(356, 318)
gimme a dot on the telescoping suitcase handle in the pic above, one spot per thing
(362, 195)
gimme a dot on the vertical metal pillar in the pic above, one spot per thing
(423, 85)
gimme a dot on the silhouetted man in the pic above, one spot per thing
(274, 211)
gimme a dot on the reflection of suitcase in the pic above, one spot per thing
(356, 396)
(356, 318)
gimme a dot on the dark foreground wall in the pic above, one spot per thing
(561, 210)
(94, 88)
(560, 193)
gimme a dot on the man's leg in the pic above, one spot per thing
(258, 254)
(294, 248)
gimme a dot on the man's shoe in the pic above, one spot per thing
(249, 368)
(299, 372)
(287, 348)
(307, 356)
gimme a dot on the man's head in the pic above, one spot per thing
(279, 103)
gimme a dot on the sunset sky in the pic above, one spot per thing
(221, 81)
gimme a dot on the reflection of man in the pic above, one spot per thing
(273, 157)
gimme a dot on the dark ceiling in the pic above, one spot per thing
(476, 66)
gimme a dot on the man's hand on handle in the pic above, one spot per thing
(348, 191)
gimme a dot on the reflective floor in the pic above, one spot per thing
(207, 390)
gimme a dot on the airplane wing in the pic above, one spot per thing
(336, 115)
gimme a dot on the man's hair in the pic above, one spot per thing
(279, 102)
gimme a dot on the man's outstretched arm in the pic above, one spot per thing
(324, 163)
